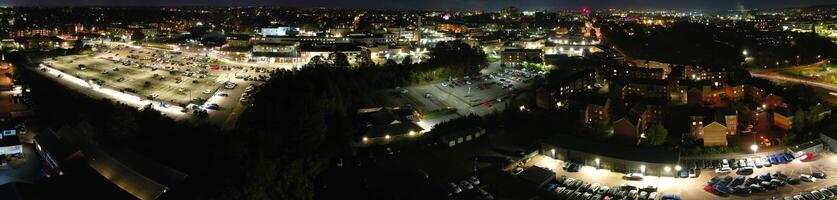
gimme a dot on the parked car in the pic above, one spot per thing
(633, 176)
(213, 106)
(827, 192)
(453, 188)
(517, 170)
(474, 180)
(694, 173)
(465, 184)
(818, 195)
(819, 175)
(683, 173)
(807, 178)
(793, 181)
(757, 188)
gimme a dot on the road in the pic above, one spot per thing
(692, 188)
(780, 77)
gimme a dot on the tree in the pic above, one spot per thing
(340, 59)
(138, 36)
(799, 121)
(602, 129)
(407, 60)
(656, 134)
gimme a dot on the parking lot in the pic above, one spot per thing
(694, 188)
(460, 96)
(189, 81)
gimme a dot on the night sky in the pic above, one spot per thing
(443, 4)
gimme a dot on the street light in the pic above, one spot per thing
(642, 169)
(754, 147)
(553, 153)
(678, 168)
(598, 163)
(744, 52)
(667, 169)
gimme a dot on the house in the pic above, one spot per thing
(573, 83)
(714, 134)
(517, 56)
(459, 137)
(385, 124)
(645, 88)
(783, 118)
(627, 128)
(598, 108)
(713, 126)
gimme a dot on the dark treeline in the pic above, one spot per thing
(682, 43)
(698, 44)
(296, 124)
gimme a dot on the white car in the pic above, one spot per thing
(474, 180)
(465, 184)
(453, 188)
(807, 178)
(723, 170)
(633, 176)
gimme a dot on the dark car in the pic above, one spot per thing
(757, 188)
(809, 196)
(213, 106)
(819, 175)
(738, 181)
(714, 180)
(726, 180)
(742, 190)
(793, 181)
(724, 188)
(788, 157)
(684, 173)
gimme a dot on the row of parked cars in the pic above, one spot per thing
(469, 183)
(744, 185)
(574, 189)
(747, 164)
(821, 194)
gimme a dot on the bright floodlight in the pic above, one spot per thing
(754, 147)
(642, 168)
(365, 139)
(744, 52)
(667, 169)
(412, 133)
(387, 137)
(678, 168)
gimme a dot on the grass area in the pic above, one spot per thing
(438, 112)
(490, 59)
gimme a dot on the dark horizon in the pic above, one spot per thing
(465, 5)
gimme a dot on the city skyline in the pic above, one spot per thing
(487, 5)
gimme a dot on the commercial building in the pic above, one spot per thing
(617, 158)
(10, 144)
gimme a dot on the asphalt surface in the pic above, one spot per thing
(692, 188)
(230, 106)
